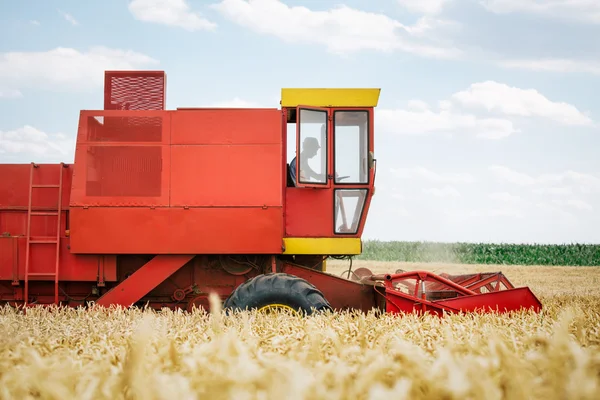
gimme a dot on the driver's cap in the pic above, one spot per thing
(311, 143)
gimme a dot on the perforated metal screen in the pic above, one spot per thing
(134, 90)
(132, 168)
(124, 129)
(124, 171)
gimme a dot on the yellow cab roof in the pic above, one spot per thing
(334, 97)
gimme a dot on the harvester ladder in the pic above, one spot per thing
(31, 241)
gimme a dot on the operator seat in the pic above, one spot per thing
(291, 169)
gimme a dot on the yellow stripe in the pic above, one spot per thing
(344, 97)
(325, 246)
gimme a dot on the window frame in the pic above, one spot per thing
(325, 146)
(368, 152)
(358, 213)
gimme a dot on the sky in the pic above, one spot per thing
(487, 127)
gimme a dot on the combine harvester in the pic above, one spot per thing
(163, 207)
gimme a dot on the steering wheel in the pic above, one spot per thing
(341, 178)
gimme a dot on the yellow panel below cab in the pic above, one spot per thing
(322, 246)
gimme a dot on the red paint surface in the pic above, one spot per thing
(341, 293)
(226, 126)
(240, 175)
(14, 187)
(72, 267)
(122, 160)
(309, 212)
(461, 297)
(143, 280)
(176, 230)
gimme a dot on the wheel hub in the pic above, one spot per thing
(276, 307)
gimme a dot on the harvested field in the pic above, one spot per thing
(97, 354)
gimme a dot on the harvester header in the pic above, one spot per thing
(166, 206)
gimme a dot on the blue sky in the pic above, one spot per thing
(487, 126)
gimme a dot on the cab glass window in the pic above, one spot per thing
(351, 133)
(349, 204)
(313, 146)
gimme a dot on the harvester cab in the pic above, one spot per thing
(164, 207)
(333, 166)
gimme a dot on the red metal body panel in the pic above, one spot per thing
(14, 188)
(14, 222)
(122, 160)
(72, 267)
(235, 152)
(309, 212)
(226, 126)
(503, 301)
(144, 280)
(131, 161)
(232, 230)
(237, 175)
(341, 293)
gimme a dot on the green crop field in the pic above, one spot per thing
(482, 253)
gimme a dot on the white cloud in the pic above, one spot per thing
(28, 144)
(10, 93)
(586, 183)
(575, 203)
(446, 191)
(401, 212)
(505, 197)
(342, 29)
(66, 68)
(496, 212)
(424, 6)
(561, 191)
(553, 211)
(554, 65)
(420, 119)
(494, 96)
(69, 18)
(171, 13)
(511, 176)
(582, 10)
(421, 173)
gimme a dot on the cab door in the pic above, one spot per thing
(308, 198)
(313, 158)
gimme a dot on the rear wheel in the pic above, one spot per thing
(277, 291)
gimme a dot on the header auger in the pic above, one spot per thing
(163, 207)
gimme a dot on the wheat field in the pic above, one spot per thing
(140, 354)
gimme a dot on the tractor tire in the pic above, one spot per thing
(275, 289)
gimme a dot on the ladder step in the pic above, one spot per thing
(48, 213)
(41, 274)
(45, 186)
(40, 241)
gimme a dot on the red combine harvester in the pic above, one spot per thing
(163, 207)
